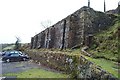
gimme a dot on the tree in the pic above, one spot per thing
(17, 43)
(46, 23)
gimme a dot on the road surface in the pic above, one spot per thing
(15, 67)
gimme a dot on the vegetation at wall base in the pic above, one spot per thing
(104, 51)
(107, 65)
(106, 43)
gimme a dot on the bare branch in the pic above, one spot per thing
(46, 23)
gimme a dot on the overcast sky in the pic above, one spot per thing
(22, 18)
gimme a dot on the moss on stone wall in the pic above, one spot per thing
(76, 66)
(106, 43)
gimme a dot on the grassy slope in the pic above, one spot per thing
(106, 43)
(37, 73)
(109, 66)
(105, 49)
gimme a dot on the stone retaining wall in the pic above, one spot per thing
(77, 66)
(73, 30)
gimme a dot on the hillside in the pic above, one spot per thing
(106, 43)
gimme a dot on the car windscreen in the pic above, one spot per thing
(15, 54)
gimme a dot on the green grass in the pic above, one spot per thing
(109, 66)
(106, 43)
(37, 73)
(106, 65)
(107, 49)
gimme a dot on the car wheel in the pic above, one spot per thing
(24, 59)
(7, 60)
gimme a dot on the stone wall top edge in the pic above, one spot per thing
(66, 18)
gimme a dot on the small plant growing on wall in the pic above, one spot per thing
(74, 62)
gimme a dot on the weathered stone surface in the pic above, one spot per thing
(114, 11)
(72, 30)
(31, 46)
(77, 66)
(51, 37)
(41, 40)
(35, 40)
(58, 34)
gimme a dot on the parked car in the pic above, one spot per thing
(5, 52)
(9, 52)
(14, 56)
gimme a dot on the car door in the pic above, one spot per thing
(14, 57)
